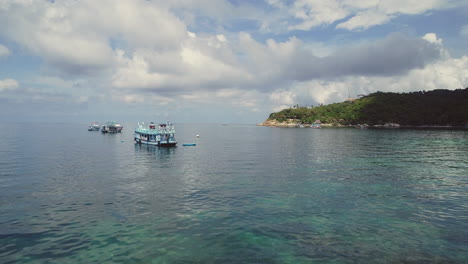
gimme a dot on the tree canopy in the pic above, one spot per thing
(438, 107)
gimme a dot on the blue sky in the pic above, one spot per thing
(229, 61)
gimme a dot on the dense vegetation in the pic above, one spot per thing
(438, 107)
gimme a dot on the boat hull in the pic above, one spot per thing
(111, 130)
(155, 143)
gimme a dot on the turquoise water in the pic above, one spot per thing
(244, 194)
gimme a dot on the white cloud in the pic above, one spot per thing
(355, 15)
(450, 73)
(316, 12)
(78, 36)
(268, 61)
(364, 20)
(186, 52)
(283, 97)
(50, 31)
(8, 84)
(432, 38)
(143, 44)
(391, 56)
(200, 62)
(212, 68)
(4, 51)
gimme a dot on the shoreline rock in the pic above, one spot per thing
(295, 123)
(275, 123)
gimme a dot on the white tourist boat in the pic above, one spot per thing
(155, 134)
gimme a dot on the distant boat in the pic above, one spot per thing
(189, 144)
(94, 126)
(157, 135)
(363, 126)
(112, 127)
(316, 124)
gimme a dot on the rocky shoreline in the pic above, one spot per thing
(295, 123)
(292, 123)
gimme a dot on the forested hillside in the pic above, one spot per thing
(438, 107)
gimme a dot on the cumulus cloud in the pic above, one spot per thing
(157, 53)
(144, 45)
(200, 62)
(242, 63)
(4, 51)
(48, 30)
(8, 84)
(394, 55)
(287, 73)
(65, 34)
(448, 73)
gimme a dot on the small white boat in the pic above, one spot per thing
(94, 126)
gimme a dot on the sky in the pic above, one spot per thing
(219, 61)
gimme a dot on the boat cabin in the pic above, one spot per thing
(164, 135)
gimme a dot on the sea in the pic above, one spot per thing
(243, 194)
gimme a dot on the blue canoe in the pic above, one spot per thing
(189, 144)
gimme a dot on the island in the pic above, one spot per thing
(415, 109)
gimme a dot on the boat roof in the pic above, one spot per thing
(152, 131)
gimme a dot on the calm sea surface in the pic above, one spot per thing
(244, 194)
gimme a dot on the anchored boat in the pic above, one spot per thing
(94, 126)
(112, 127)
(158, 135)
(316, 124)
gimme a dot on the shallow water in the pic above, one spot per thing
(244, 194)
